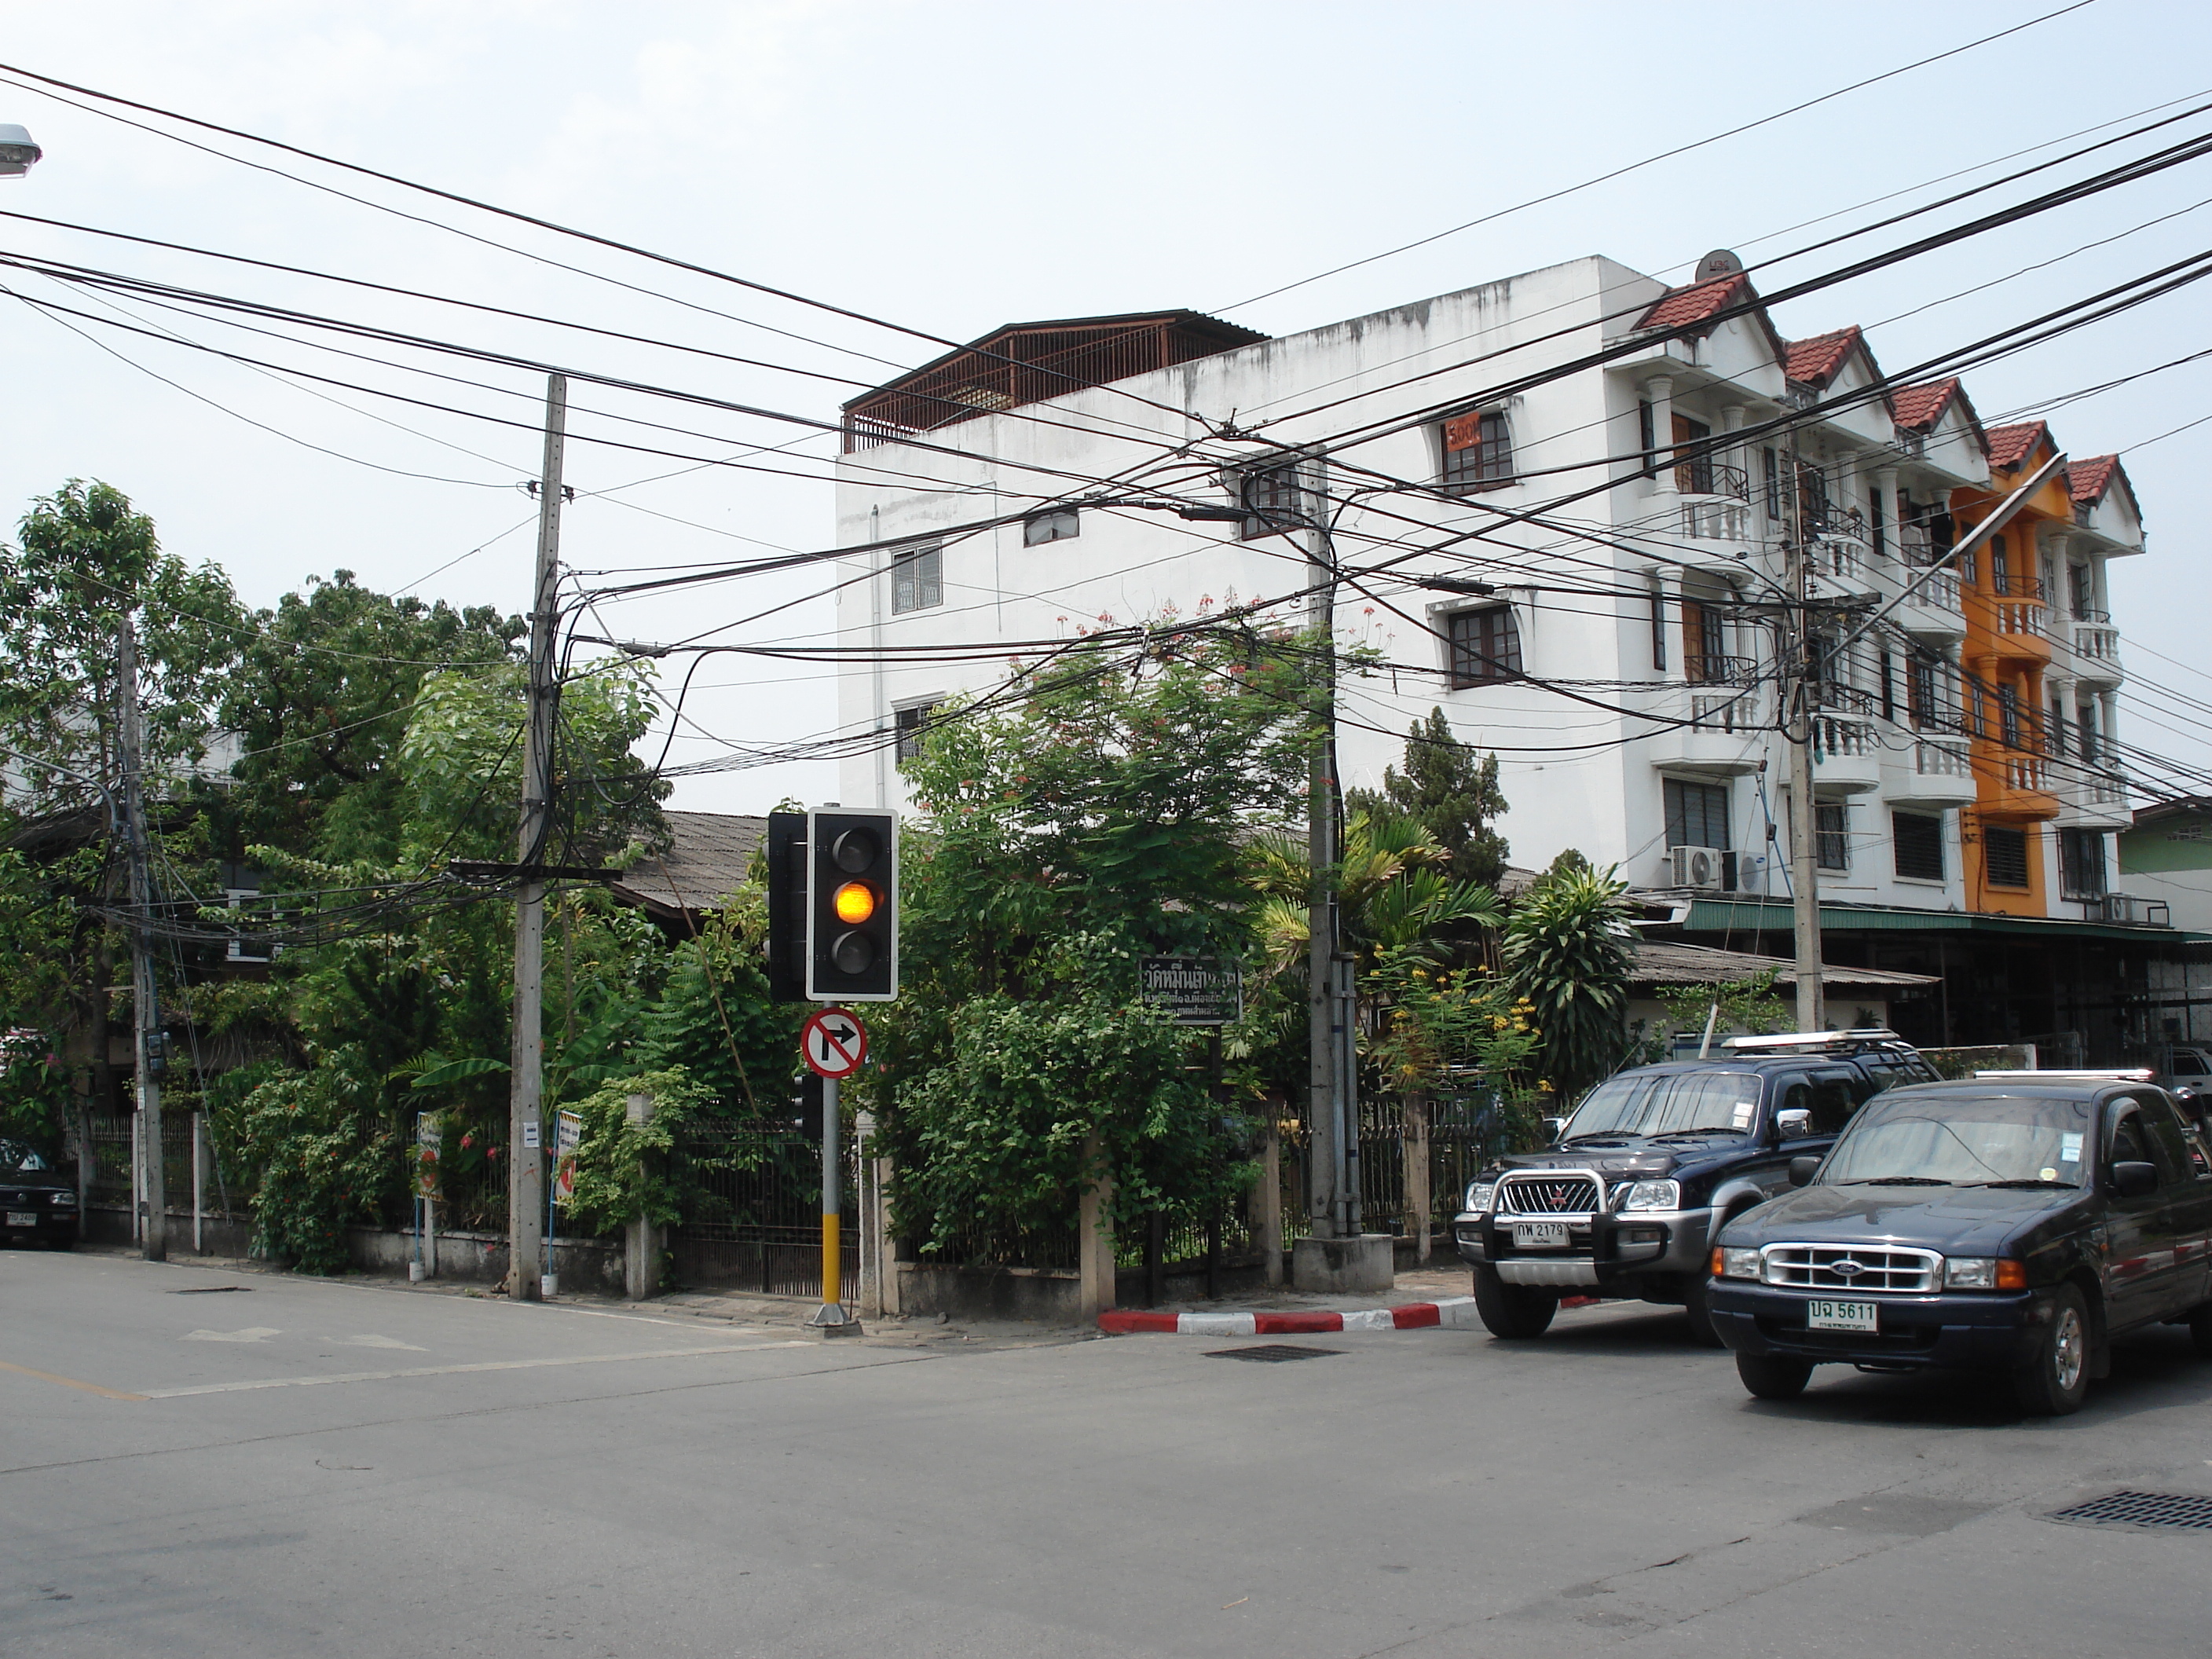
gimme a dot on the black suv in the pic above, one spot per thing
(2014, 1223)
(1652, 1163)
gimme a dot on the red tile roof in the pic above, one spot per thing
(1814, 362)
(1919, 407)
(2011, 444)
(1684, 307)
(2086, 480)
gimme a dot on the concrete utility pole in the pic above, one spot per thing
(1327, 1148)
(526, 1173)
(145, 996)
(1798, 687)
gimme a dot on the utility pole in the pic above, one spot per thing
(1796, 688)
(526, 1173)
(145, 996)
(1325, 1174)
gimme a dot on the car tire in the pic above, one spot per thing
(2200, 1329)
(1697, 1302)
(1773, 1376)
(1512, 1312)
(2055, 1378)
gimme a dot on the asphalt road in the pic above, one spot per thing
(298, 1466)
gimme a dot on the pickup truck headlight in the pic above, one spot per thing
(1652, 1195)
(1729, 1263)
(1983, 1272)
(1478, 1196)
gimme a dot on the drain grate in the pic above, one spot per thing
(2162, 1510)
(1273, 1353)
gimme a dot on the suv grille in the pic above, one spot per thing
(1548, 1194)
(1852, 1268)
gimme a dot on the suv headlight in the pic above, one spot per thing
(1730, 1262)
(1983, 1272)
(62, 1199)
(1652, 1195)
(1478, 1196)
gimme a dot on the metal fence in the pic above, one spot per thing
(753, 1215)
(1463, 1134)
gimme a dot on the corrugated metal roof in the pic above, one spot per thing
(1763, 915)
(1670, 962)
(707, 859)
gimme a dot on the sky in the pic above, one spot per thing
(945, 167)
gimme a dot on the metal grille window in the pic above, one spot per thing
(1695, 475)
(1273, 499)
(2008, 724)
(1696, 814)
(910, 724)
(2004, 856)
(2086, 730)
(1485, 646)
(917, 578)
(2081, 869)
(1918, 838)
(1477, 450)
(1705, 642)
(1924, 701)
(1832, 834)
(1062, 523)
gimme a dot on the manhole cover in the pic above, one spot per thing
(1272, 1353)
(2163, 1510)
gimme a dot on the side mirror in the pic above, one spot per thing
(1552, 1128)
(1794, 1124)
(1802, 1170)
(2133, 1180)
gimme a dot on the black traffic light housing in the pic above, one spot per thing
(852, 906)
(787, 907)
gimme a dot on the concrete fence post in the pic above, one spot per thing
(641, 1239)
(1094, 1244)
(1267, 1203)
(199, 1182)
(1413, 1147)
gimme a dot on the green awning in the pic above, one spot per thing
(1768, 916)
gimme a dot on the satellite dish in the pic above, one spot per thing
(1719, 263)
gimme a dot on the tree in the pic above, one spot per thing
(1100, 819)
(1567, 952)
(1450, 794)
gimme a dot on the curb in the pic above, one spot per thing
(1457, 1313)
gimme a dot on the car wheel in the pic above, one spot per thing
(2054, 1382)
(1697, 1300)
(1514, 1312)
(2200, 1329)
(1773, 1376)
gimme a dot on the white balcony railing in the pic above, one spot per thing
(1934, 757)
(1839, 737)
(1715, 518)
(1730, 709)
(2024, 618)
(2099, 644)
(2021, 771)
(1934, 590)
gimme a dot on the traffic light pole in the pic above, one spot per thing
(832, 1318)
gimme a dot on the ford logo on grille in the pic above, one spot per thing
(1847, 1268)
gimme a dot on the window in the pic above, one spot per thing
(1485, 646)
(1696, 814)
(917, 578)
(2127, 1143)
(2004, 856)
(2077, 588)
(2085, 724)
(1705, 642)
(2009, 727)
(2081, 863)
(1832, 834)
(1878, 514)
(1658, 625)
(1271, 496)
(1647, 434)
(911, 725)
(1060, 525)
(1478, 451)
(2000, 565)
(1918, 838)
(1923, 696)
(1833, 1104)
(1774, 505)
(1888, 688)
(1693, 476)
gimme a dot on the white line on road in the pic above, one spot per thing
(480, 1365)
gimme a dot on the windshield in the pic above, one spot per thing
(1962, 1143)
(1666, 1102)
(14, 1155)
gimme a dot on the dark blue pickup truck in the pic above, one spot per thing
(1652, 1162)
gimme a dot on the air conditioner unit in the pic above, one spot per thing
(1703, 868)
(1744, 872)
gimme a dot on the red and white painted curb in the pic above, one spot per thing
(1456, 1313)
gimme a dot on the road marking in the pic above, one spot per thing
(250, 1333)
(71, 1382)
(455, 1370)
(376, 1342)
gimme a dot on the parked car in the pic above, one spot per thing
(38, 1202)
(2014, 1223)
(1650, 1165)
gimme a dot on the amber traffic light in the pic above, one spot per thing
(852, 906)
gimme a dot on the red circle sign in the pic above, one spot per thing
(833, 1043)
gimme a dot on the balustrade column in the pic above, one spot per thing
(1660, 390)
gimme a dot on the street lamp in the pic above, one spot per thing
(17, 152)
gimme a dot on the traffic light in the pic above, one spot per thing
(852, 906)
(787, 907)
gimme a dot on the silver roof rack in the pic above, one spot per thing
(2090, 1074)
(1854, 1038)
